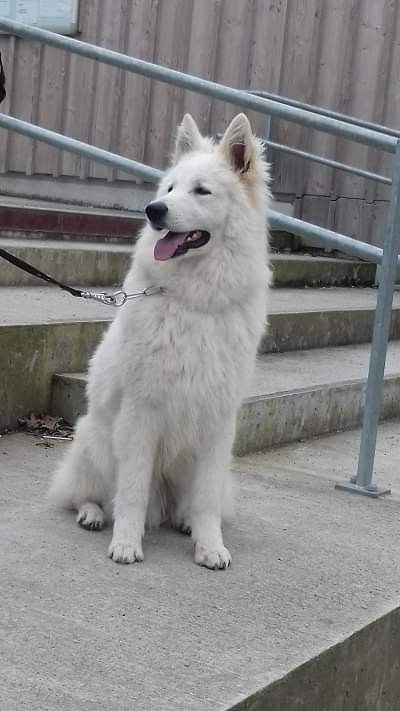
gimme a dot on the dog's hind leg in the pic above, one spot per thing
(90, 516)
(84, 480)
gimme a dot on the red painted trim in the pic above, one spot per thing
(74, 223)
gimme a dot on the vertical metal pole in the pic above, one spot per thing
(362, 483)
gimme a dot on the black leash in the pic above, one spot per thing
(2, 81)
(118, 298)
(37, 273)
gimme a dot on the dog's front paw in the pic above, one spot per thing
(214, 557)
(124, 552)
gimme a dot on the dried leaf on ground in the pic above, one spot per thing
(45, 425)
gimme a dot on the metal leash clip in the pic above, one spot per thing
(119, 297)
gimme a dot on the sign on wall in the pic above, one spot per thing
(56, 15)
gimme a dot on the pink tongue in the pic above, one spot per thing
(166, 247)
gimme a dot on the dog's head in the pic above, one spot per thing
(204, 184)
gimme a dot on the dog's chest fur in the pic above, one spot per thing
(188, 365)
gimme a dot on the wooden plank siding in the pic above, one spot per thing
(341, 54)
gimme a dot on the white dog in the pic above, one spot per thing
(166, 382)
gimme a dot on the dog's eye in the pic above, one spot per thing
(201, 190)
(170, 189)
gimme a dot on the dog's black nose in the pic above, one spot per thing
(156, 212)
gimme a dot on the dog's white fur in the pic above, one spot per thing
(166, 381)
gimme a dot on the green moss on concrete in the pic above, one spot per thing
(319, 271)
(73, 266)
(102, 267)
(321, 329)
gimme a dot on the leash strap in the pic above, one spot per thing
(37, 273)
(2, 81)
(117, 299)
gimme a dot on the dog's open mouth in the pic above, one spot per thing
(174, 244)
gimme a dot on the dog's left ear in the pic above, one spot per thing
(237, 144)
(188, 138)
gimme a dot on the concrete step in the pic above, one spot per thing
(44, 330)
(307, 617)
(93, 263)
(317, 270)
(294, 395)
(298, 318)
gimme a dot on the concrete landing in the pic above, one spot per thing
(311, 567)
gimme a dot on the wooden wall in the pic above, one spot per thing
(341, 54)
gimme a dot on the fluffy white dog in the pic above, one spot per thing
(166, 381)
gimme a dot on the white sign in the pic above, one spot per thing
(26, 12)
(56, 15)
(5, 8)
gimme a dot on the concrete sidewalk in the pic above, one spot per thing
(311, 566)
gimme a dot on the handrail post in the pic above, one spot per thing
(362, 482)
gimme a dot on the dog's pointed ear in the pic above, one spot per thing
(188, 138)
(237, 144)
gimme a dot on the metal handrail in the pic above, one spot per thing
(72, 145)
(301, 113)
(361, 123)
(328, 162)
(203, 86)
(277, 220)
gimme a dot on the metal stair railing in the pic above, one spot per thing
(352, 120)
(313, 117)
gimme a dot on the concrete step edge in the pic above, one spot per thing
(270, 419)
(91, 269)
(345, 670)
(287, 331)
(97, 264)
